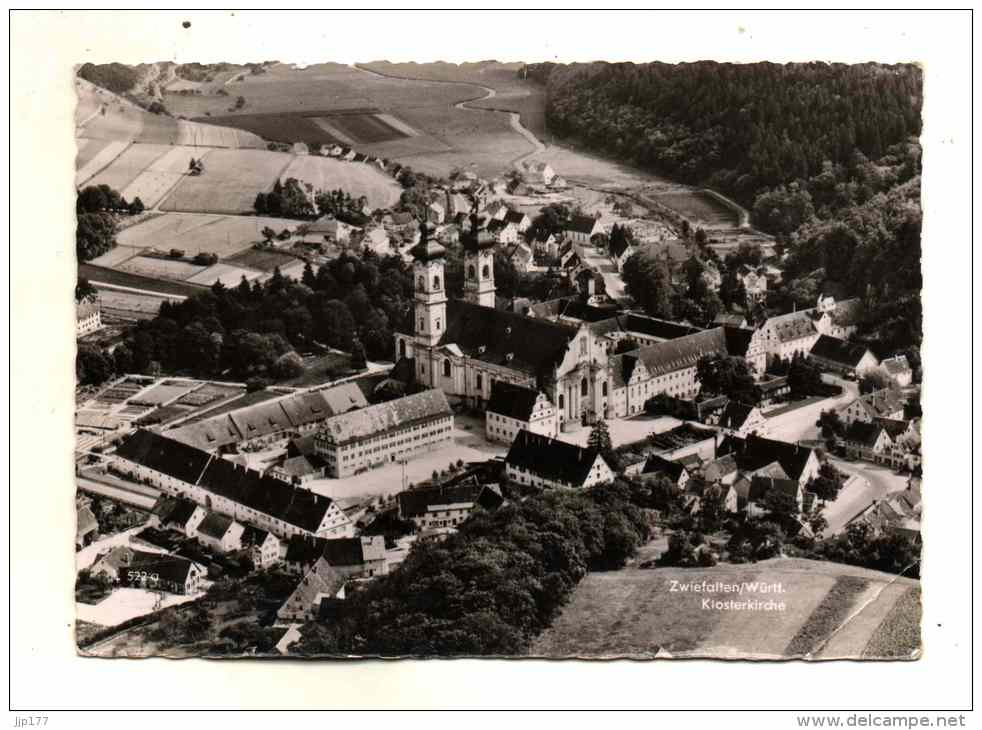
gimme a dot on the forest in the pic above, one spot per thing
(825, 156)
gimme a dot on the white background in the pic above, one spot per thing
(45, 673)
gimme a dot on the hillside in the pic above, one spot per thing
(831, 611)
(102, 115)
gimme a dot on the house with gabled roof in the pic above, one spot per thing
(885, 403)
(264, 547)
(673, 470)
(761, 487)
(446, 506)
(513, 407)
(220, 533)
(321, 582)
(86, 526)
(582, 228)
(842, 356)
(898, 370)
(541, 461)
(867, 441)
(756, 454)
(742, 419)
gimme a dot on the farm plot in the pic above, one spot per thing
(101, 275)
(158, 267)
(363, 127)
(95, 157)
(196, 233)
(325, 173)
(209, 393)
(163, 393)
(128, 166)
(127, 306)
(283, 127)
(158, 177)
(230, 183)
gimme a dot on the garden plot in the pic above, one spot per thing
(95, 157)
(128, 166)
(157, 267)
(230, 183)
(163, 393)
(357, 178)
(157, 178)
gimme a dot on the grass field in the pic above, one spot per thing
(129, 165)
(264, 260)
(357, 178)
(128, 306)
(100, 274)
(700, 208)
(157, 178)
(160, 268)
(228, 275)
(347, 127)
(196, 233)
(899, 636)
(230, 183)
(635, 613)
(447, 136)
(95, 156)
(103, 115)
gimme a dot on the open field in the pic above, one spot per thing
(127, 306)
(156, 179)
(899, 636)
(228, 275)
(157, 267)
(101, 275)
(513, 93)
(95, 156)
(230, 183)
(119, 120)
(700, 208)
(635, 613)
(196, 233)
(128, 166)
(357, 178)
(262, 260)
(448, 136)
(343, 126)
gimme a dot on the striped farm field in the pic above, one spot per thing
(128, 166)
(95, 156)
(157, 178)
(357, 178)
(230, 183)
(196, 233)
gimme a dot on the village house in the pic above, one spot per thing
(503, 231)
(620, 250)
(222, 486)
(546, 243)
(263, 547)
(754, 283)
(541, 461)
(841, 356)
(695, 490)
(512, 408)
(758, 455)
(521, 256)
(384, 433)
(88, 317)
(866, 441)
(762, 486)
(538, 173)
(740, 419)
(220, 533)
(897, 514)
(675, 471)
(898, 370)
(86, 527)
(351, 557)
(520, 220)
(152, 571)
(176, 514)
(885, 403)
(446, 506)
(321, 581)
(582, 228)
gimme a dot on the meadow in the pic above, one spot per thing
(230, 183)
(129, 165)
(196, 233)
(634, 613)
(326, 173)
(700, 208)
(157, 178)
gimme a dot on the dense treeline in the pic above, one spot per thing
(741, 128)
(491, 587)
(96, 209)
(116, 77)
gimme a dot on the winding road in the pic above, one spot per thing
(514, 118)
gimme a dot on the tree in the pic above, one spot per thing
(831, 425)
(725, 375)
(92, 366)
(780, 504)
(85, 291)
(268, 234)
(599, 438)
(649, 283)
(95, 234)
(136, 207)
(358, 360)
(288, 365)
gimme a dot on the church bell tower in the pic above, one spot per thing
(430, 307)
(478, 265)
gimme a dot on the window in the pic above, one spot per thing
(437, 324)
(471, 272)
(583, 348)
(446, 368)
(420, 324)
(486, 272)
(584, 387)
(562, 401)
(436, 282)
(604, 389)
(479, 381)
(421, 283)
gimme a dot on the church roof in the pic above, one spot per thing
(534, 346)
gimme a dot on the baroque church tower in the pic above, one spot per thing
(478, 266)
(430, 308)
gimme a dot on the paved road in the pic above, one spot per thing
(871, 482)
